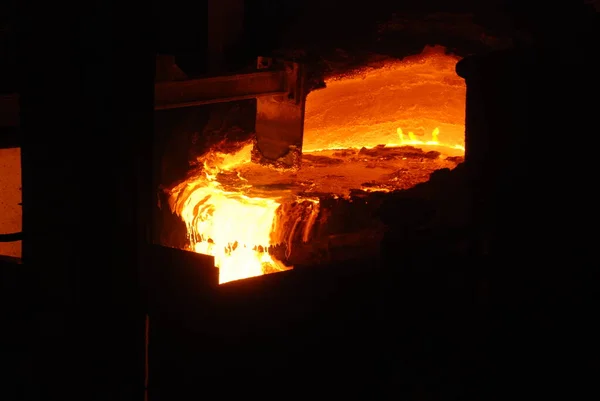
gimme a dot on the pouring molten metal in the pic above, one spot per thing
(388, 126)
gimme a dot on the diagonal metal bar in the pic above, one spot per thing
(196, 92)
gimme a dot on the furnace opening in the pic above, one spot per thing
(379, 130)
(415, 101)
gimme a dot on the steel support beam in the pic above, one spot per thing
(280, 122)
(197, 92)
(280, 93)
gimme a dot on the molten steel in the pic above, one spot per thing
(229, 214)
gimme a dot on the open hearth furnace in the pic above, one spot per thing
(266, 173)
(391, 203)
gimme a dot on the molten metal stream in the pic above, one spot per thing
(418, 101)
(232, 227)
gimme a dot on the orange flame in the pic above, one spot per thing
(234, 228)
(413, 141)
(422, 94)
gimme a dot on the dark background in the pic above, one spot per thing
(484, 328)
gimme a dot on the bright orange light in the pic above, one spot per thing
(234, 228)
(419, 101)
(415, 101)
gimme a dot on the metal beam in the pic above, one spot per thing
(280, 122)
(197, 92)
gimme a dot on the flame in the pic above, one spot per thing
(234, 228)
(413, 141)
(421, 95)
